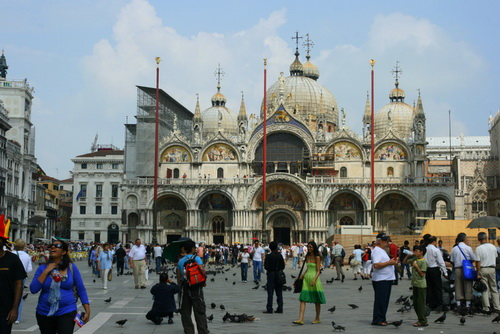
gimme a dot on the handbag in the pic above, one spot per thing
(281, 277)
(470, 272)
(110, 275)
(297, 285)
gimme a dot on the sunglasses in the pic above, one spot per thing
(55, 245)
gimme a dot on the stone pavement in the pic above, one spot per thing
(129, 303)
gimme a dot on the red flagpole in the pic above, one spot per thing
(264, 156)
(155, 218)
(372, 128)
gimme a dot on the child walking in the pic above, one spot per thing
(418, 282)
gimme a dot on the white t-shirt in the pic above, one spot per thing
(257, 256)
(25, 259)
(158, 251)
(486, 254)
(358, 253)
(383, 274)
(245, 257)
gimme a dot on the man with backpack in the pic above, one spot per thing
(191, 277)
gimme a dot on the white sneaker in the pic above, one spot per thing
(16, 322)
(105, 288)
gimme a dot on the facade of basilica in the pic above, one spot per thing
(318, 170)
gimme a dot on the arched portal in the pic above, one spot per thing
(172, 216)
(346, 209)
(113, 234)
(395, 213)
(281, 224)
(216, 215)
(285, 152)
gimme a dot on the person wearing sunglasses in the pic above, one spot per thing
(56, 282)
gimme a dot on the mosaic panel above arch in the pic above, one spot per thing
(391, 151)
(175, 154)
(282, 193)
(393, 202)
(346, 202)
(345, 151)
(220, 152)
(215, 201)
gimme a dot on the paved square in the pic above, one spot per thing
(129, 303)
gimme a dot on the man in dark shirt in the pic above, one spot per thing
(12, 275)
(120, 260)
(164, 302)
(273, 263)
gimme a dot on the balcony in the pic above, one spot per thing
(149, 181)
(410, 181)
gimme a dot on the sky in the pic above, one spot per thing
(85, 58)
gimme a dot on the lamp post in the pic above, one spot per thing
(372, 156)
(155, 197)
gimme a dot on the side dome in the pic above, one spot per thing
(217, 117)
(396, 115)
(310, 70)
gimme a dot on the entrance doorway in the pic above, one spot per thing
(113, 234)
(282, 235)
(218, 239)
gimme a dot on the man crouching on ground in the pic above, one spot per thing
(164, 302)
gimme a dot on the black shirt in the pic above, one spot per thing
(274, 262)
(11, 270)
(120, 253)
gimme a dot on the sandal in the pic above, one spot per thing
(298, 322)
(316, 322)
(418, 324)
(382, 323)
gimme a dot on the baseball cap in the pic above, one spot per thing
(382, 236)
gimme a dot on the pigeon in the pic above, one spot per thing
(256, 287)
(121, 322)
(222, 307)
(441, 319)
(333, 324)
(210, 318)
(360, 288)
(397, 323)
(402, 310)
(234, 283)
(330, 281)
(94, 280)
(212, 279)
(107, 300)
(213, 305)
(354, 306)
(462, 321)
(294, 277)
(226, 279)
(332, 309)
(399, 300)
(497, 319)
(25, 296)
(234, 274)
(338, 328)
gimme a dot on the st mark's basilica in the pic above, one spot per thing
(318, 170)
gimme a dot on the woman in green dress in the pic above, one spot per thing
(312, 290)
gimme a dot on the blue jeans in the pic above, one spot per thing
(20, 309)
(158, 264)
(327, 261)
(126, 262)
(295, 262)
(408, 271)
(382, 291)
(244, 271)
(257, 270)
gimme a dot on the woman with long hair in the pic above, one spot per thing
(312, 290)
(56, 280)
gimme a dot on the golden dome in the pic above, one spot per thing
(310, 70)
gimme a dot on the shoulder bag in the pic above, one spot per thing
(297, 285)
(470, 272)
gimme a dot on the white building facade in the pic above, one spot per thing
(97, 206)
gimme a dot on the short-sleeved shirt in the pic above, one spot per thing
(11, 270)
(158, 251)
(457, 257)
(486, 254)
(138, 253)
(257, 256)
(244, 257)
(383, 274)
(358, 253)
(180, 265)
(418, 281)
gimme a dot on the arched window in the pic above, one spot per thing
(390, 172)
(176, 173)
(218, 226)
(220, 173)
(346, 220)
(479, 202)
(343, 172)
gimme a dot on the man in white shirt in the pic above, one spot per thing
(157, 252)
(338, 260)
(435, 266)
(486, 255)
(295, 255)
(382, 279)
(257, 258)
(463, 288)
(138, 263)
(19, 246)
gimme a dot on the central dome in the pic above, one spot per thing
(401, 115)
